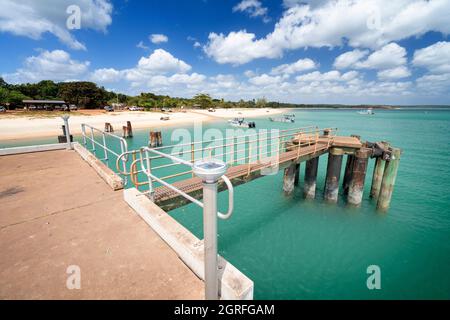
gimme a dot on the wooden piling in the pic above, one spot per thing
(155, 139)
(388, 182)
(358, 176)
(309, 186)
(289, 179)
(377, 177)
(333, 174)
(130, 129)
(125, 132)
(297, 174)
(160, 142)
(348, 173)
(108, 127)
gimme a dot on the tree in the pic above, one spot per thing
(3, 83)
(47, 89)
(261, 103)
(83, 94)
(203, 100)
(15, 98)
(4, 93)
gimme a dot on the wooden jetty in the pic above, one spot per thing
(301, 147)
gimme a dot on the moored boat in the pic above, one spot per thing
(240, 122)
(288, 118)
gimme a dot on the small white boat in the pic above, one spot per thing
(367, 112)
(240, 122)
(287, 118)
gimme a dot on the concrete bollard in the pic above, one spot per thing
(309, 187)
(348, 173)
(289, 179)
(388, 182)
(359, 169)
(333, 174)
(377, 177)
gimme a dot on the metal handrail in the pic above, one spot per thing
(147, 171)
(311, 135)
(122, 142)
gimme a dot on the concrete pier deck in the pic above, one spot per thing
(55, 211)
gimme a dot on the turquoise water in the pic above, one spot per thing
(297, 249)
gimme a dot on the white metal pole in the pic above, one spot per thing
(210, 239)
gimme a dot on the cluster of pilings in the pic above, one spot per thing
(127, 130)
(386, 166)
(108, 127)
(155, 139)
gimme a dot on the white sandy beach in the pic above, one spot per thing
(27, 127)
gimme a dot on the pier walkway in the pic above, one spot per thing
(299, 148)
(56, 212)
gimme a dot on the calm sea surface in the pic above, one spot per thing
(297, 249)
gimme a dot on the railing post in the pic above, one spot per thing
(93, 139)
(210, 171)
(249, 158)
(66, 126)
(83, 131)
(104, 146)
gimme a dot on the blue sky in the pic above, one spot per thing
(342, 51)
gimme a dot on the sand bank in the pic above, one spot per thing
(27, 127)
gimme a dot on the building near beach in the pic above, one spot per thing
(44, 104)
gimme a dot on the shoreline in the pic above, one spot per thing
(22, 128)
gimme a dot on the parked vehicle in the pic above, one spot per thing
(108, 109)
(134, 108)
(211, 110)
(2, 109)
(73, 107)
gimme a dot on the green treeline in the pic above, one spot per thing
(90, 96)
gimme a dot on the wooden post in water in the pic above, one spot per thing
(160, 143)
(333, 174)
(348, 173)
(358, 176)
(377, 177)
(289, 179)
(129, 129)
(388, 182)
(309, 187)
(155, 139)
(108, 127)
(125, 133)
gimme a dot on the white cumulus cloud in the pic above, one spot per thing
(394, 73)
(158, 38)
(254, 8)
(106, 75)
(296, 67)
(436, 58)
(33, 19)
(349, 59)
(54, 65)
(331, 24)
